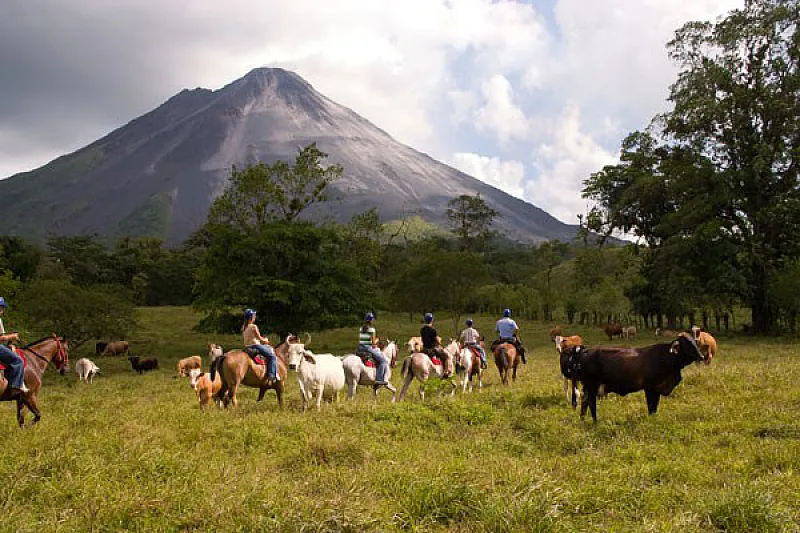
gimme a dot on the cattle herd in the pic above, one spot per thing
(599, 370)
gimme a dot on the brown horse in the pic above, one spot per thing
(506, 358)
(38, 354)
(237, 368)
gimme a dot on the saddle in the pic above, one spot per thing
(366, 357)
(475, 351)
(255, 356)
(20, 353)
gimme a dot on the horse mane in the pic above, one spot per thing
(38, 341)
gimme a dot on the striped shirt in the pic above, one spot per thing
(365, 337)
(470, 336)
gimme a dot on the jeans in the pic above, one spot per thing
(15, 368)
(480, 350)
(269, 354)
(380, 361)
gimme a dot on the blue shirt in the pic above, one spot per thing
(506, 328)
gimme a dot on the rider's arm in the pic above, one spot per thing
(9, 337)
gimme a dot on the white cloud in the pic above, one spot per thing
(562, 166)
(498, 114)
(508, 176)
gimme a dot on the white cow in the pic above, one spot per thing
(86, 370)
(316, 373)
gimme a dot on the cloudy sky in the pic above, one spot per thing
(529, 96)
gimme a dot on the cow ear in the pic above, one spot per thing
(309, 357)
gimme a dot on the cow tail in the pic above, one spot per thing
(406, 367)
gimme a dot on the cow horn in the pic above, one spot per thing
(308, 336)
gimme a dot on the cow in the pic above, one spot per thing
(666, 333)
(613, 330)
(143, 365)
(565, 347)
(656, 369)
(315, 373)
(706, 342)
(116, 348)
(86, 370)
(555, 331)
(100, 348)
(629, 332)
(188, 363)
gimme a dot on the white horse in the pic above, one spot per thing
(357, 373)
(419, 365)
(468, 365)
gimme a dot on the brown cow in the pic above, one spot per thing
(655, 369)
(116, 348)
(706, 342)
(613, 330)
(188, 363)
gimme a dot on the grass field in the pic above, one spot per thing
(134, 453)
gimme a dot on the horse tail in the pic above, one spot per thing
(406, 367)
(504, 358)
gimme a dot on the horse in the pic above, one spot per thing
(237, 368)
(419, 365)
(468, 365)
(357, 373)
(506, 358)
(39, 354)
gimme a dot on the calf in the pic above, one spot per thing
(205, 389)
(143, 365)
(706, 343)
(655, 369)
(629, 332)
(566, 347)
(188, 363)
(86, 370)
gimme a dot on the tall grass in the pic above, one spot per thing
(134, 453)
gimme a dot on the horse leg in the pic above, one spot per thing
(392, 390)
(406, 384)
(20, 412)
(32, 403)
(514, 372)
(279, 393)
(261, 392)
(351, 388)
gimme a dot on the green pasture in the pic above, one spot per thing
(134, 453)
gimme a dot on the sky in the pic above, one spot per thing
(528, 96)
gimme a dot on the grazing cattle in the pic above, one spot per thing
(86, 370)
(100, 347)
(555, 331)
(629, 332)
(116, 348)
(357, 373)
(655, 369)
(613, 330)
(143, 365)
(188, 363)
(565, 346)
(316, 373)
(706, 343)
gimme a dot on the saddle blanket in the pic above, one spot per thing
(436, 361)
(19, 353)
(370, 363)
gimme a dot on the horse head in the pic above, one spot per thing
(61, 355)
(390, 352)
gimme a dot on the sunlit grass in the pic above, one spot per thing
(134, 452)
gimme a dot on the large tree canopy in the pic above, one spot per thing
(714, 186)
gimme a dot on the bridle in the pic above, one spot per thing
(60, 351)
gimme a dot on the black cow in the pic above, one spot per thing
(655, 369)
(142, 365)
(100, 348)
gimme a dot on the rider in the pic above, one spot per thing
(367, 343)
(430, 344)
(13, 362)
(255, 342)
(509, 332)
(471, 338)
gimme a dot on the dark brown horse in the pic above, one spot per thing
(237, 368)
(506, 358)
(39, 354)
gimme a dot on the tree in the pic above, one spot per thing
(85, 258)
(723, 175)
(262, 193)
(470, 219)
(78, 313)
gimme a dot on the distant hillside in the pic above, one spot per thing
(158, 174)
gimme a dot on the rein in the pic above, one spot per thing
(59, 350)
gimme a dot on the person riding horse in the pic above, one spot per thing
(431, 346)
(472, 339)
(14, 364)
(256, 343)
(367, 345)
(508, 331)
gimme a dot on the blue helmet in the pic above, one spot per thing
(469, 322)
(3, 302)
(249, 313)
(369, 317)
(506, 313)
(428, 318)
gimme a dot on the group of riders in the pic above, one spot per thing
(258, 345)
(367, 347)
